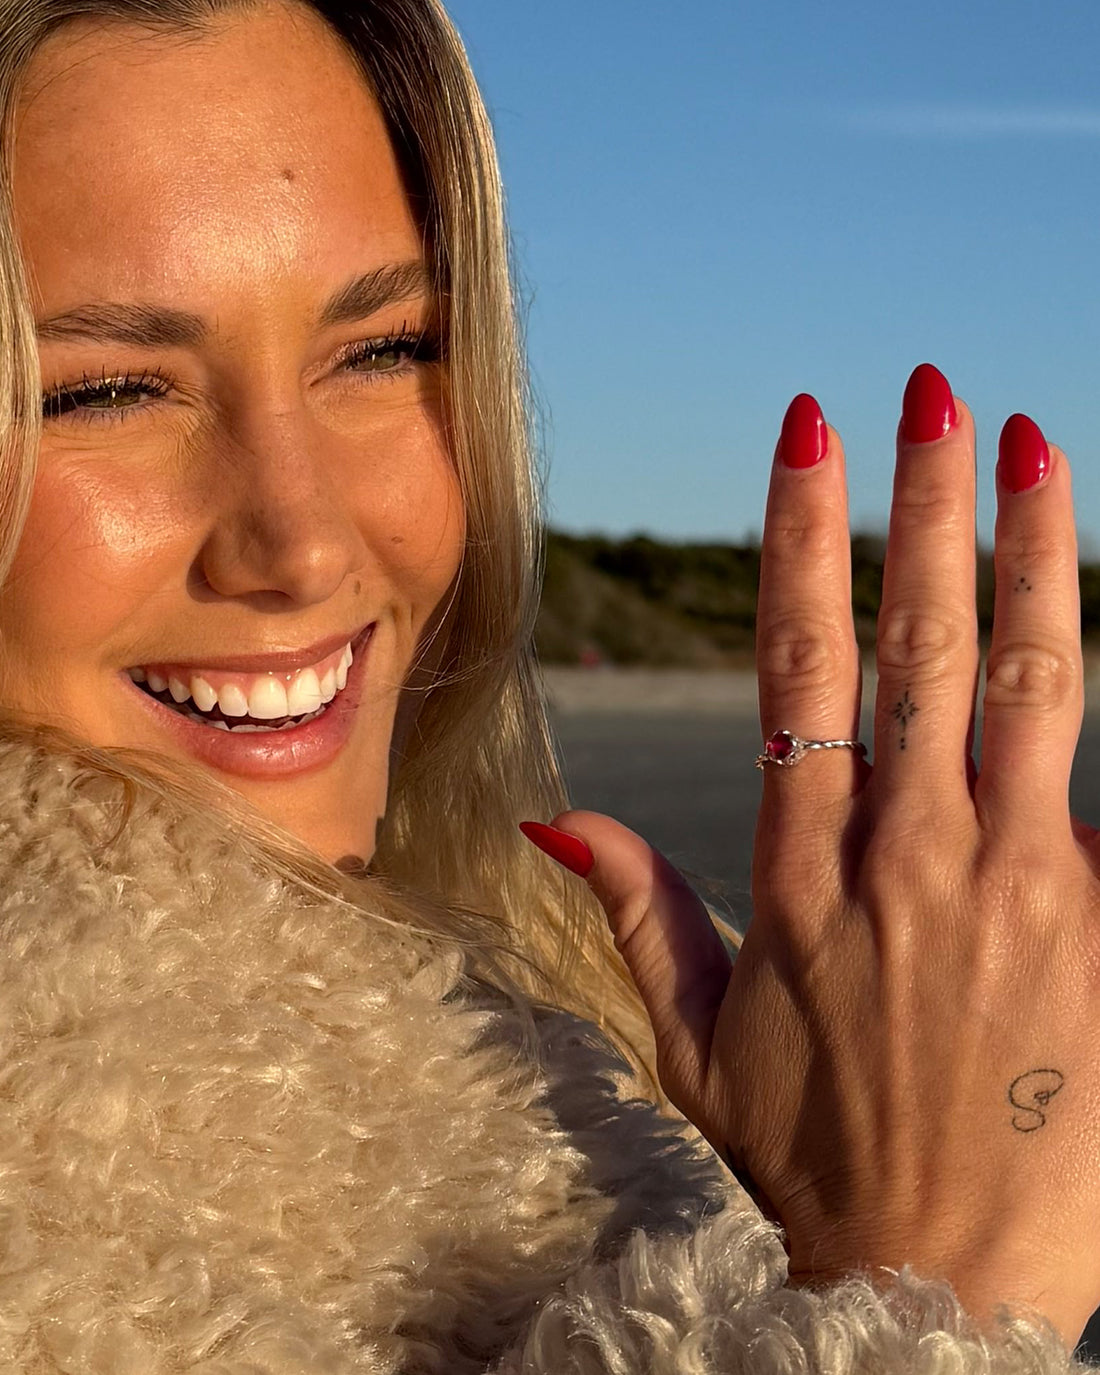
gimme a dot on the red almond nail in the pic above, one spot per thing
(1024, 455)
(928, 411)
(804, 439)
(566, 849)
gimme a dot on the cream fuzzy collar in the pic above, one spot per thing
(241, 1131)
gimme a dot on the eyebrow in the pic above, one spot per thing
(152, 326)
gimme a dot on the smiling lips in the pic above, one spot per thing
(257, 696)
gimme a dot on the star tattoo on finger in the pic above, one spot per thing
(903, 713)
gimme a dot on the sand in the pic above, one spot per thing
(588, 691)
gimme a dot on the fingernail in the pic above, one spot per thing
(804, 439)
(566, 849)
(1024, 457)
(928, 411)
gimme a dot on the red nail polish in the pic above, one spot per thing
(1024, 456)
(928, 411)
(804, 439)
(566, 849)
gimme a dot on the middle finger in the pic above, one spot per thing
(927, 629)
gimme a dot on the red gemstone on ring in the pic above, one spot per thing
(780, 746)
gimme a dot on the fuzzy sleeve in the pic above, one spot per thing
(713, 1304)
(691, 1280)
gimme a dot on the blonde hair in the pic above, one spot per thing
(479, 758)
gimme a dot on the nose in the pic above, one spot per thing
(281, 526)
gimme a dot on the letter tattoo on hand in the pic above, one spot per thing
(1030, 1093)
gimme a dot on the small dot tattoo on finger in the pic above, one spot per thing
(903, 714)
(1022, 585)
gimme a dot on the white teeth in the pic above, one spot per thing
(304, 694)
(232, 700)
(269, 699)
(204, 696)
(266, 701)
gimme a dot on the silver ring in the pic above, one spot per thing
(786, 749)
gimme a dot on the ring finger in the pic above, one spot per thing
(807, 659)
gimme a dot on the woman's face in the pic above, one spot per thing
(245, 460)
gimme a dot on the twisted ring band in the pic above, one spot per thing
(787, 749)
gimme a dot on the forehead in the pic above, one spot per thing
(155, 161)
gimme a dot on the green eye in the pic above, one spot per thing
(106, 401)
(393, 355)
(115, 394)
(390, 359)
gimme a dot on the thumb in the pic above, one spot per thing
(662, 929)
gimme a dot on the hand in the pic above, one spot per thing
(905, 1055)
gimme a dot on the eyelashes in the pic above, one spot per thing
(402, 351)
(105, 399)
(67, 399)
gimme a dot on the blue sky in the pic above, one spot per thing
(718, 205)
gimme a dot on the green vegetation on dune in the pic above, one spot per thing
(638, 601)
(644, 602)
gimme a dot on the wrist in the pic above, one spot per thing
(986, 1301)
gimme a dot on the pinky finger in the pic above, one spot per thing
(1034, 691)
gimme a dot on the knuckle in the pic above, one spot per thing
(927, 502)
(1024, 550)
(902, 884)
(917, 638)
(801, 650)
(799, 536)
(1031, 675)
(894, 860)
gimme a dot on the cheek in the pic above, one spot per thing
(93, 552)
(412, 514)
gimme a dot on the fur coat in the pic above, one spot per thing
(247, 1132)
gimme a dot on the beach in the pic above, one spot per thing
(670, 753)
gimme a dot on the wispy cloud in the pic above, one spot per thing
(973, 121)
